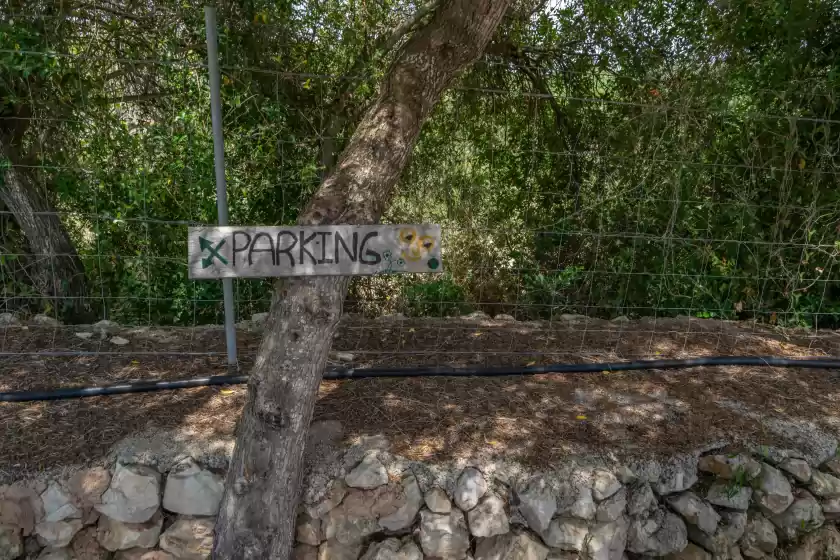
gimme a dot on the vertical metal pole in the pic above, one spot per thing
(219, 159)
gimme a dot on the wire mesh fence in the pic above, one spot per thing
(608, 202)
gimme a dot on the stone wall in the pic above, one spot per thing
(364, 502)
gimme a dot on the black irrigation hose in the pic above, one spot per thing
(363, 373)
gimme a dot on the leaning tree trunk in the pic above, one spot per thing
(57, 272)
(257, 516)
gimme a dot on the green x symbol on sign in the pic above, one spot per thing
(207, 245)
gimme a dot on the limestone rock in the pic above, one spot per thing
(191, 490)
(640, 499)
(504, 317)
(305, 552)
(409, 550)
(119, 341)
(678, 474)
(606, 541)
(411, 503)
(85, 546)
(803, 516)
(365, 445)
(55, 554)
(8, 320)
(833, 466)
(342, 356)
(772, 490)
(470, 487)
(759, 538)
(41, 320)
(189, 539)
(116, 535)
(88, 485)
(825, 485)
(690, 552)
(734, 553)
(444, 535)
(393, 549)
(334, 550)
(646, 470)
(566, 533)
(259, 318)
(105, 326)
(626, 475)
(437, 501)
(577, 502)
(383, 550)
(133, 496)
(59, 504)
(729, 467)
(613, 507)
(564, 555)
(488, 518)
(21, 506)
(11, 543)
(537, 504)
(143, 554)
(733, 525)
(831, 508)
(695, 511)
(819, 545)
(604, 484)
(659, 535)
(391, 317)
(729, 495)
(84, 335)
(729, 532)
(357, 516)
(370, 473)
(773, 455)
(57, 534)
(798, 468)
(348, 529)
(476, 316)
(333, 497)
(510, 547)
(308, 530)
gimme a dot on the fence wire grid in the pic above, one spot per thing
(594, 209)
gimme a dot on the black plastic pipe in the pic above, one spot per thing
(441, 371)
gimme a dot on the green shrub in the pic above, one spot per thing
(437, 298)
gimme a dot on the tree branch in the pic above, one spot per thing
(380, 48)
(531, 71)
(112, 11)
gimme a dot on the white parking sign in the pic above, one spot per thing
(259, 252)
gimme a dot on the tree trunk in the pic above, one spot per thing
(257, 516)
(57, 272)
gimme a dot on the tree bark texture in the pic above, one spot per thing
(257, 516)
(57, 272)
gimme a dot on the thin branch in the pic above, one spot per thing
(112, 11)
(381, 47)
(409, 24)
(537, 81)
(138, 98)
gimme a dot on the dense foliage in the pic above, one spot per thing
(621, 158)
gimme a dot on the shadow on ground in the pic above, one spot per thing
(534, 419)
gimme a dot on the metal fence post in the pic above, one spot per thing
(219, 160)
